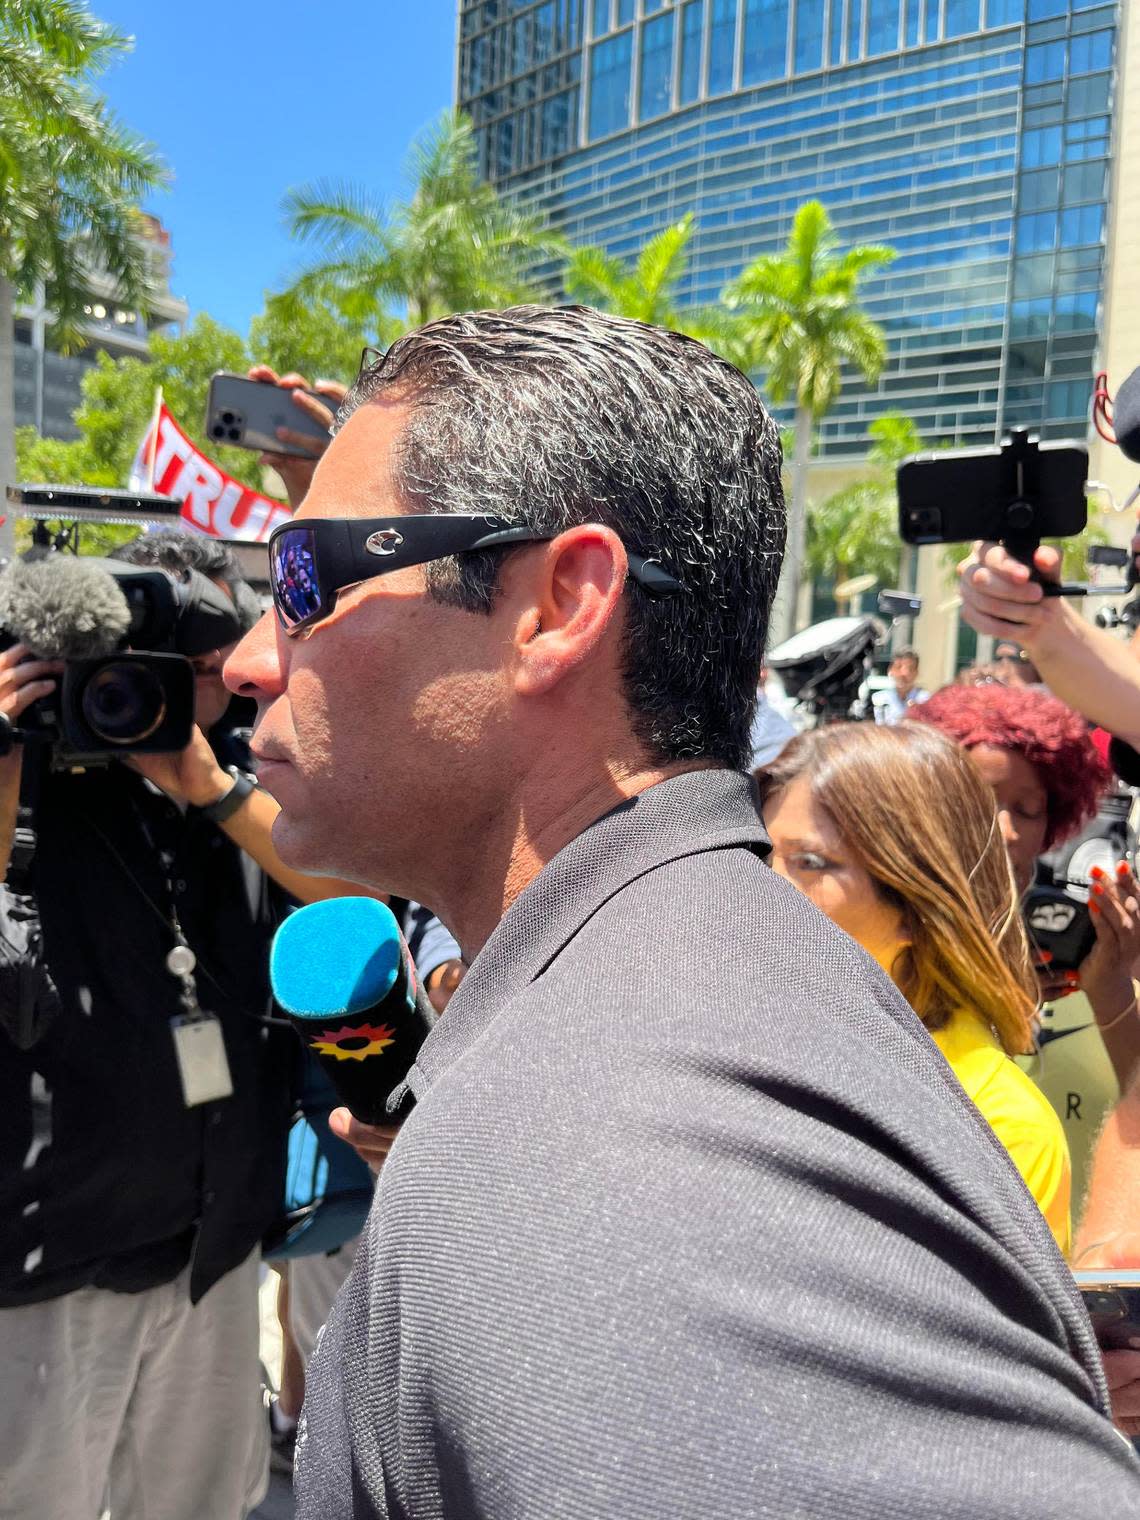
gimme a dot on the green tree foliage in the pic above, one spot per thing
(451, 245)
(316, 334)
(1075, 565)
(645, 289)
(855, 530)
(804, 323)
(118, 394)
(118, 404)
(70, 174)
(118, 397)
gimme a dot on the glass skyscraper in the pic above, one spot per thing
(971, 135)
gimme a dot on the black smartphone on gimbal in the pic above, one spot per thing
(1022, 490)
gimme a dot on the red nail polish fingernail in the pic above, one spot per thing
(1094, 907)
(1096, 873)
(1123, 868)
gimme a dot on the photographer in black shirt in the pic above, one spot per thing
(132, 1205)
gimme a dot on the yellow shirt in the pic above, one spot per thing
(1017, 1112)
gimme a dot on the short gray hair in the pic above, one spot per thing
(556, 416)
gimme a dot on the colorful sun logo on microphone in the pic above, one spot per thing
(353, 1044)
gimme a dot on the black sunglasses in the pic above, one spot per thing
(310, 562)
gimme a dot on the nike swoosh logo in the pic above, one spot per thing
(1047, 1036)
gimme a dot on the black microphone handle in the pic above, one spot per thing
(367, 1055)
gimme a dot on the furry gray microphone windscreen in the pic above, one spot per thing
(63, 608)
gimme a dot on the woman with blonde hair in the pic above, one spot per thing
(895, 836)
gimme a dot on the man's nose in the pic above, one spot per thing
(256, 668)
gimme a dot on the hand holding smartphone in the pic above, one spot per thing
(254, 413)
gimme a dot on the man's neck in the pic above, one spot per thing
(535, 826)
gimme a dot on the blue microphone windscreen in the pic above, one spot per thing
(336, 957)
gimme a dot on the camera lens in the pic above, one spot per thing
(227, 417)
(218, 431)
(235, 434)
(124, 702)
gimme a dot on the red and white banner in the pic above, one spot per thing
(212, 501)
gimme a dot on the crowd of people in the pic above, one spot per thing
(742, 1172)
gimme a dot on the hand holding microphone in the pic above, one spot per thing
(342, 973)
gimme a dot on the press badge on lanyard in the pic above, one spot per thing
(198, 1044)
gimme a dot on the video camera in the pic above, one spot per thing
(824, 668)
(125, 633)
(126, 636)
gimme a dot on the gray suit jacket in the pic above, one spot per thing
(692, 1221)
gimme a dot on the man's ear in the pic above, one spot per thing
(571, 599)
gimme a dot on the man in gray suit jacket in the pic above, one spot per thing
(689, 1218)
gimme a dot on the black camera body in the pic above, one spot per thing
(1059, 922)
(115, 704)
(1056, 907)
(136, 694)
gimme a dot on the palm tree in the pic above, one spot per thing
(645, 289)
(855, 530)
(805, 323)
(452, 245)
(70, 178)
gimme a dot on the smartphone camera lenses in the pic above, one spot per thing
(925, 522)
(227, 426)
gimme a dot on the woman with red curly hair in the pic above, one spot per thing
(1036, 754)
(1047, 777)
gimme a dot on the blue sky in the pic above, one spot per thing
(247, 98)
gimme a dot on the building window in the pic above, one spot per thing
(625, 9)
(882, 26)
(1082, 225)
(961, 17)
(1039, 189)
(600, 18)
(809, 34)
(1091, 53)
(1044, 62)
(1083, 182)
(766, 38)
(610, 66)
(931, 32)
(655, 93)
(1037, 232)
(835, 46)
(692, 30)
(722, 46)
(854, 30)
(1041, 147)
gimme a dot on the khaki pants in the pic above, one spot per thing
(314, 1282)
(137, 1402)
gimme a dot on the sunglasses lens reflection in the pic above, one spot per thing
(296, 592)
